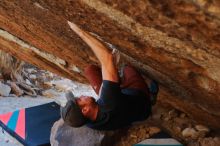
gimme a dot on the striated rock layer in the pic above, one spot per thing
(176, 42)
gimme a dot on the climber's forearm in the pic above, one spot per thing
(105, 57)
(101, 52)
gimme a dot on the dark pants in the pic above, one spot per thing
(131, 79)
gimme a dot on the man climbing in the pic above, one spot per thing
(122, 101)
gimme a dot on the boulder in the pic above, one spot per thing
(64, 135)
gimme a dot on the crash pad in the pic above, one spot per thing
(159, 139)
(31, 126)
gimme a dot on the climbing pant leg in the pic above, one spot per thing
(133, 79)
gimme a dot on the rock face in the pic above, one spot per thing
(175, 42)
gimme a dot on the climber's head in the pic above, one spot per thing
(79, 111)
(87, 105)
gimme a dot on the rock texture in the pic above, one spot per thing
(4, 89)
(175, 42)
(62, 134)
(10, 67)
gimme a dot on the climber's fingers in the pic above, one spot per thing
(75, 28)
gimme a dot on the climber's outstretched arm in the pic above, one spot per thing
(105, 57)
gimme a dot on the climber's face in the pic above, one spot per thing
(86, 104)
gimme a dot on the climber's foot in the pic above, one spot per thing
(117, 56)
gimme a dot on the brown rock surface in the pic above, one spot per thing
(175, 42)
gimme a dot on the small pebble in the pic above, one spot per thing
(182, 115)
(189, 132)
(202, 128)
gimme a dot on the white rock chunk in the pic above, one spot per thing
(4, 89)
(202, 128)
(189, 132)
(28, 82)
(30, 70)
(62, 87)
(33, 77)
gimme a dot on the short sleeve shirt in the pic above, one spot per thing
(118, 107)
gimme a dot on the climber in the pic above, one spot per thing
(121, 101)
